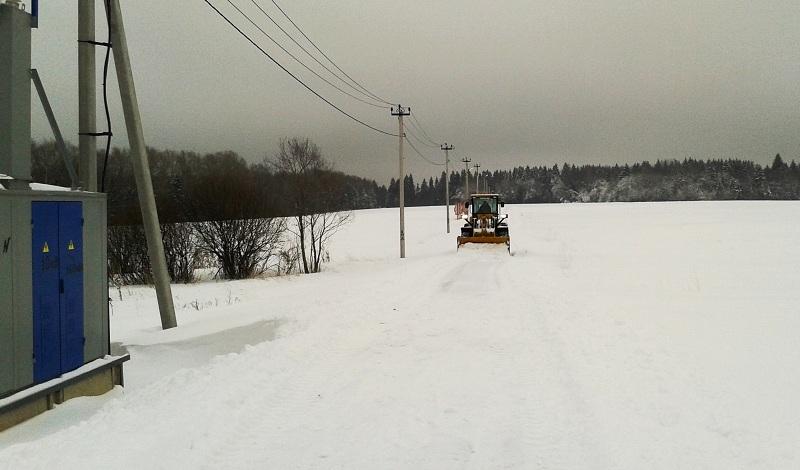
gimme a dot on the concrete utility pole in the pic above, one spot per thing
(15, 95)
(400, 112)
(141, 168)
(447, 149)
(477, 177)
(87, 97)
(466, 178)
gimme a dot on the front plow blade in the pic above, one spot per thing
(490, 240)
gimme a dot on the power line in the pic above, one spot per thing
(295, 76)
(313, 57)
(422, 129)
(426, 141)
(301, 62)
(412, 134)
(326, 56)
(421, 155)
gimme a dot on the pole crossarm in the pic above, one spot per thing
(400, 110)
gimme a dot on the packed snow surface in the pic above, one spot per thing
(623, 336)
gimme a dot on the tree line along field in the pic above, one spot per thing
(180, 175)
(243, 219)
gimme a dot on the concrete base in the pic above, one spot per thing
(95, 378)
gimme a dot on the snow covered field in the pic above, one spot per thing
(628, 336)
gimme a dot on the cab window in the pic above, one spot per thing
(484, 205)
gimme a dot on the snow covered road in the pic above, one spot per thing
(617, 336)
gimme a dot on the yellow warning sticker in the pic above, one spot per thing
(45, 248)
(70, 246)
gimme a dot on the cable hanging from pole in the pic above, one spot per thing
(265, 53)
(420, 154)
(105, 97)
(420, 141)
(301, 62)
(108, 133)
(422, 129)
(425, 142)
(313, 57)
(326, 56)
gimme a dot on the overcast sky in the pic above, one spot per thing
(512, 82)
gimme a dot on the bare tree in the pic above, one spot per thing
(127, 255)
(243, 247)
(314, 194)
(180, 250)
(321, 227)
(231, 207)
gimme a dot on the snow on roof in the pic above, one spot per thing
(35, 186)
(48, 187)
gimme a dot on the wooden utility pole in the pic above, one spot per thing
(400, 111)
(477, 177)
(447, 149)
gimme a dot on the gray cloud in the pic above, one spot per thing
(508, 83)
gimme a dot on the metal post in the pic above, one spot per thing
(466, 177)
(141, 169)
(87, 98)
(15, 95)
(51, 118)
(400, 112)
(447, 149)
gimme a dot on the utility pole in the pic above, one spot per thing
(447, 149)
(87, 98)
(141, 168)
(400, 112)
(477, 177)
(15, 96)
(466, 177)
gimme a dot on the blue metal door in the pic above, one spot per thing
(70, 241)
(57, 288)
(46, 309)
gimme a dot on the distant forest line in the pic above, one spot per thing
(218, 180)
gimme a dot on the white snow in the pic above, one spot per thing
(36, 186)
(47, 187)
(622, 336)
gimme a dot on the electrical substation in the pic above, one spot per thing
(54, 323)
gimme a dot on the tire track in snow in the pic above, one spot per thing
(571, 435)
(255, 433)
(422, 399)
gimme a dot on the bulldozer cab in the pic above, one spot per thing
(484, 224)
(485, 204)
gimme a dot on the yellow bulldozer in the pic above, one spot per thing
(484, 224)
